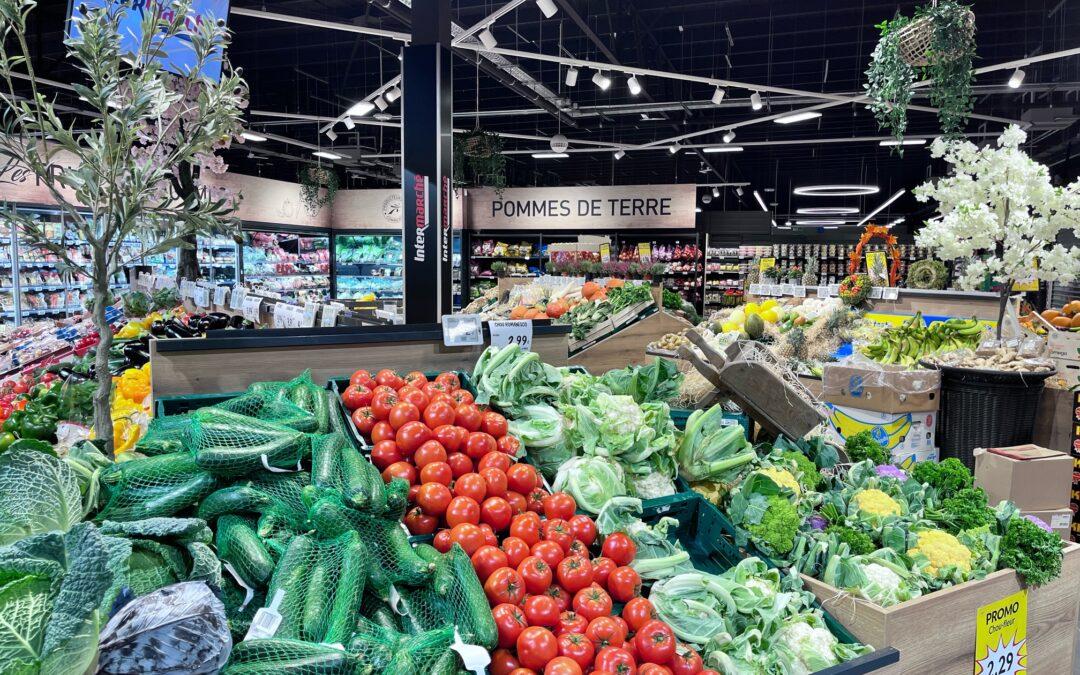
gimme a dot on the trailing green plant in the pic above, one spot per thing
(313, 181)
(889, 79)
(479, 160)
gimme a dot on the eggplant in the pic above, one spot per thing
(68, 375)
(216, 321)
(178, 329)
(157, 329)
(136, 353)
(237, 321)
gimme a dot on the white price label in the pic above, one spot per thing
(251, 308)
(875, 293)
(834, 290)
(775, 289)
(310, 310)
(798, 291)
(890, 294)
(330, 314)
(185, 289)
(462, 330)
(288, 316)
(201, 296)
(518, 332)
(239, 295)
(822, 292)
(219, 295)
(755, 289)
(786, 289)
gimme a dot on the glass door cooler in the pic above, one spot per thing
(217, 260)
(369, 267)
(292, 265)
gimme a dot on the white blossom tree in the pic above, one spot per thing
(1000, 214)
(145, 124)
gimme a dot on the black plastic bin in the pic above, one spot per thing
(985, 409)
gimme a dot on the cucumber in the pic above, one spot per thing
(322, 411)
(289, 575)
(399, 562)
(147, 471)
(350, 588)
(331, 518)
(359, 477)
(236, 499)
(165, 500)
(428, 553)
(283, 451)
(303, 396)
(320, 590)
(446, 664)
(476, 624)
(397, 498)
(325, 455)
(238, 544)
(276, 656)
(384, 617)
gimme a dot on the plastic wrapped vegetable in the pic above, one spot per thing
(711, 450)
(656, 557)
(882, 577)
(593, 481)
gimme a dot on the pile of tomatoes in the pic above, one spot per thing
(458, 458)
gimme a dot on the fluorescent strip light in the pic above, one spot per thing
(619, 154)
(673, 148)
(547, 7)
(394, 94)
(906, 141)
(634, 85)
(830, 227)
(571, 77)
(774, 224)
(729, 136)
(718, 96)
(326, 155)
(601, 80)
(360, 109)
(716, 192)
(896, 222)
(755, 101)
(1017, 79)
(487, 38)
(828, 211)
(252, 136)
(881, 208)
(549, 155)
(723, 148)
(797, 117)
(757, 196)
(697, 209)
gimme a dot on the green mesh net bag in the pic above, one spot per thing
(230, 445)
(150, 487)
(385, 650)
(271, 409)
(166, 435)
(279, 501)
(300, 392)
(283, 656)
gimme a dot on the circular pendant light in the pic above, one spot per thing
(818, 222)
(828, 211)
(836, 190)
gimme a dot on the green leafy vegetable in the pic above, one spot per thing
(948, 477)
(777, 526)
(38, 493)
(967, 510)
(657, 557)
(1033, 552)
(807, 472)
(592, 481)
(712, 450)
(862, 446)
(658, 381)
(858, 542)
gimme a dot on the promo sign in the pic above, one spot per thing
(1001, 646)
(576, 208)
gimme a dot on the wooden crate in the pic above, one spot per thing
(935, 633)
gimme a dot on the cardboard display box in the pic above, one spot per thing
(881, 388)
(907, 436)
(1059, 520)
(1033, 478)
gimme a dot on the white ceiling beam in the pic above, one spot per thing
(487, 21)
(318, 23)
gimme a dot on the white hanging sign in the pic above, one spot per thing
(798, 291)
(236, 302)
(252, 305)
(201, 296)
(518, 332)
(219, 295)
(822, 292)
(462, 330)
(308, 315)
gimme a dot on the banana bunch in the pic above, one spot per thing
(911, 341)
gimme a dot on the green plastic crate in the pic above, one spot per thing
(164, 406)
(705, 533)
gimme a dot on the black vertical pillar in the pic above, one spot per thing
(427, 140)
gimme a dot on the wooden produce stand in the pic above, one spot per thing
(617, 346)
(935, 633)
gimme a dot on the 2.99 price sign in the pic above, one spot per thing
(518, 332)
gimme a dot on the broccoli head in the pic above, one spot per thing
(778, 525)
(859, 542)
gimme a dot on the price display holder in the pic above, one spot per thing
(1001, 644)
(252, 305)
(236, 302)
(219, 295)
(462, 330)
(890, 294)
(518, 332)
(330, 314)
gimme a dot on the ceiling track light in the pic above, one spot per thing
(633, 84)
(716, 192)
(717, 96)
(1017, 79)
(252, 136)
(547, 7)
(380, 103)
(697, 209)
(674, 147)
(393, 94)
(729, 136)
(571, 77)
(755, 101)
(349, 124)
(360, 109)
(331, 135)
(487, 38)
(601, 80)
(760, 201)
(739, 191)
(619, 154)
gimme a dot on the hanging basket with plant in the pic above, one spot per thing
(318, 186)
(479, 161)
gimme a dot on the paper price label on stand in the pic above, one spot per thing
(186, 289)
(330, 314)
(462, 330)
(308, 315)
(755, 289)
(239, 294)
(822, 292)
(875, 292)
(219, 295)
(644, 251)
(201, 296)
(251, 308)
(605, 252)
(1001, 646)
(890, 293)
(798, 291)
(518, 332)
(776, 289)
(834, 290)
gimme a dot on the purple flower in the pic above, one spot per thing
(891, 471)
(818, 522)
(1040, 522)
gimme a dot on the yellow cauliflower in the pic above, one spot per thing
(783, 478)
(876, 503)
(943, 550)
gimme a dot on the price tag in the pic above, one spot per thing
(518, 332)
(605, 252)
(252, 305)
(875, 292)
(798, 291)
(219, 295)
(786, 289)
(890, 294)
(644, 251)
(776, 289)
(239, 294)
(462, 330)
(822, 292)
(185, 289)
(330, 314)
(1001, 636)
(834, 290)
(201, 296)
(307, 319)
(755, 289)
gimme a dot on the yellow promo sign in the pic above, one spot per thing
(644, 251)
(766, 263)
(1001, 646)
(605, 252)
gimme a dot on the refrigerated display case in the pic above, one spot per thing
(295, 266)
(218, 260)
(368, 266)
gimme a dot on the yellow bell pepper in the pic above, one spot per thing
(125, 435)
(134, 384)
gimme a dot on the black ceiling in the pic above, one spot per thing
(810, 45)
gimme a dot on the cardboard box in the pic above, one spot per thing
(1059, 520)
(881, 388)
(1033, 478)
(908, 436)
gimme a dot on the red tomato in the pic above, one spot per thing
(521, 478)
(433, 498)
(625, 631)
(708, 671)
(420, 523)
(433, 389)
(364, 420)
(503, 661)
(575, 645)
(653, 669)
(615, 660)
(428, 453)
(461, 397)
(440, 397)
(460, 463)
(404, 413)
(576, 547)
(536, 500)
(562, 665)
(439, 414)
(558, 531)
(442, 541)
(402, 470)
(462, 510)
(574, 573)
(526, 528)
(437, 472)
(509, 445)
(551, 552)
(486, 560)
(561, 596)
(469, 416)
(493, 423)
(494, 460)
(504, 585)
(382, 403)
(605, 631)
(624, 584)
(637, 613)
(495, 480)
(416, 379)
(479, 444)
(471, 485)
(517, 502)
(381, 387)
(536, 646)
(449, 379)
(356, 396)
(559, 505)
(389, 378)
(536, 573)
(619, 548)
(541, 610)
(571, 622)
(362, 378)
(445, 434)
(489, 535)
(516, 551)
(686, 661)
(496, 512)
(583, 529)
(470, 537)
(592, 602)
(414, 490)
(525, 671)
(655, 642)
(382, 431)
(414, 396)
(385, 454)
(411, 434)
(510, 621)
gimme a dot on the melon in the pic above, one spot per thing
(755, 326)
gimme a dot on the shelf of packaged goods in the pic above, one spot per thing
(46, 310)
(369, 276)
(271, 275)
(372, 262)
(504, 257)
(509, 276)
(217, 264)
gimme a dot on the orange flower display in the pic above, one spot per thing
(882, 232)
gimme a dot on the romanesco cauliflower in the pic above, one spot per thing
(778, 526)
(942, 550)
(783, 478)
(876, 503)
